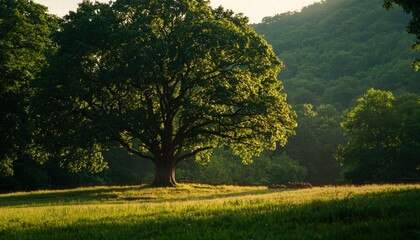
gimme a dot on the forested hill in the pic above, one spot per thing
(337, 49)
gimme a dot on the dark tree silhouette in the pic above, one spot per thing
(412, 7)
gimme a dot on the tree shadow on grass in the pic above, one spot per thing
(64, 197)
(207, 197)
(115, 194)
(386, 215)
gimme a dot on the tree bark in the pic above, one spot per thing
(165, 174)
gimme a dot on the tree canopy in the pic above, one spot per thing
(317, 137)
(412, 7)
(336, 50)
(383, 141)
(25, 41)
(167, 80)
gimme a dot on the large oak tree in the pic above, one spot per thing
(167, 80)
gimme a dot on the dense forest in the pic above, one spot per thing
(333, 52)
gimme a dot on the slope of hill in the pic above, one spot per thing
(333, 52)
(337, 49)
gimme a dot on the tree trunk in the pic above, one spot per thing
(164, 174)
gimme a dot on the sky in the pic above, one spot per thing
(254, 9)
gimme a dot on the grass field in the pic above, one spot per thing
(193, 211)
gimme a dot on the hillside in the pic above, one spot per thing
(333, 52)
(336, 50)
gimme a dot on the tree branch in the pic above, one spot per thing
(132, 150)
(193, 153)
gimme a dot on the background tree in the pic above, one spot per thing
(167, 80)
(382, 139)
(317, 137)
(25, 41)
(408, 149)
(412, 7)
(271, 167)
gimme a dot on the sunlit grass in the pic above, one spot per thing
(212, 212)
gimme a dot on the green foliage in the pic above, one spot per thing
(172, 80)
(206, 212)
(383, 140)
(317, 137)
(126, 169)
(333, 52)
(25, 40)
(337, 49)
(30, 175)
(412, 7)
(285, 169)
(226, 168)
(167, 80)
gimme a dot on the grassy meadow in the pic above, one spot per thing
(192, 211)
